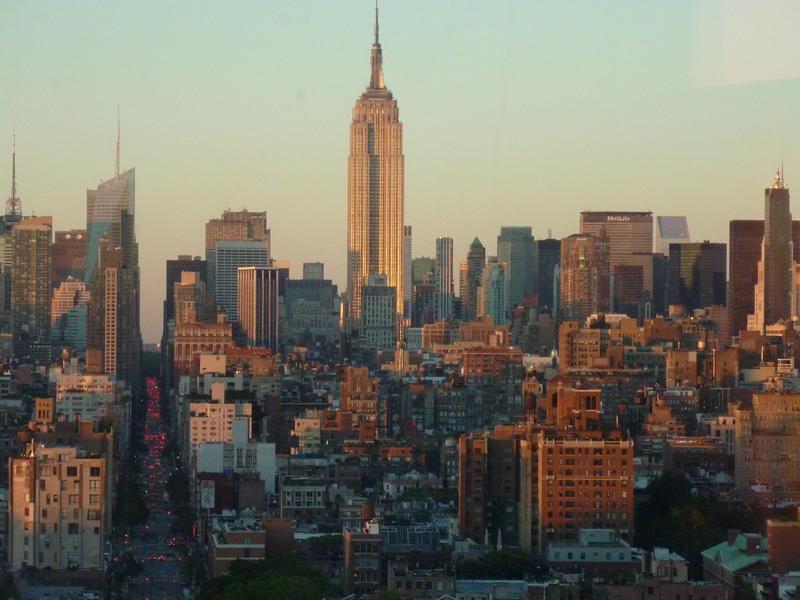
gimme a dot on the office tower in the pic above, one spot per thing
(744, 245)
(476, 261)
(422, 270)
(110, 211)
(630, 243)
(314, 270)
(515, 248)
(234, 226)
(69, 256)
(228, 257)
(584, 276)
(13, 215)
(407, 261)
(773, 288)
(70, 293)
(312, 312)
(113, 339)
(175, 269)
(58, 514)
(443, 278)
(671, 230)
(493, 292)
(378, 313)
(376, 179)
(31, 265)
(547, 255)
(112, 329)
(425, 298)
(698, 274)
(258, 293)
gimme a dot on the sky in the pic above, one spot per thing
(514, 112)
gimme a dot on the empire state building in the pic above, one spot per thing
(376, 177)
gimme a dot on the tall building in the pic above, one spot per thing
(547, 256)
(234, 226)
(175, 268)
(471, 278)
(772, 300)
(110, 211)
(584, 276)
(378, 313)
(443, 278)
(671, 230)
(258, 294)
(493, 292)
(113, 341)
(31, 263)
(315, 270)
(69, 255)
(376, 180)
(69, 293)
(698, 274)
(630, 245)
(515, 248)
(13, 215)
(228, 257)
(407, 267)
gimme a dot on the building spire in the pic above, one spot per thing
(116, 158)
(778, 185)
(13, 205)
(376, 76)
(376, 23)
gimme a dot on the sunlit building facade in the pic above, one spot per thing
(376, 179)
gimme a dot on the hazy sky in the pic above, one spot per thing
(514, 112)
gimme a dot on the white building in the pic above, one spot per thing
(241, 454)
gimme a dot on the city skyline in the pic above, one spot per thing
(634, 125)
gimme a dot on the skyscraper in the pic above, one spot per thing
(630, 243)
(671, 230)
(31, 241)
(476, 261)
(776, 254)
(547, 256)
(376, 180)
(113, 342)
(584, 276)
(106, 208)
(697, 274)
(258, 293)
(228, 257)
(69, 255)
(443, 276)
(515, 247)
(13, 215)
(493, 292)
(407, 276)
(113, 339)
(234, 226)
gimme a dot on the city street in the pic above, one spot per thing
(154, 546)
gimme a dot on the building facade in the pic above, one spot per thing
(443, 278)
(259, 289)
(516, 248)
(376, 180)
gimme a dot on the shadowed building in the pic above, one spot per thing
(697, 274)
(515, 248)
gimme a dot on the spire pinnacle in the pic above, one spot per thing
(778, 185)
(116, 161)
(376, 76)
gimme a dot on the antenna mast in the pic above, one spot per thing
(116, 162)
(13, 204)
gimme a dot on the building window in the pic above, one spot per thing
(72, 471)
